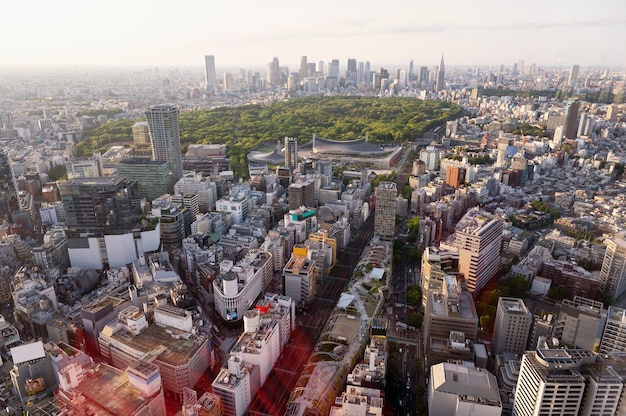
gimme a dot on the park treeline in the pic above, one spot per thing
(383, 120)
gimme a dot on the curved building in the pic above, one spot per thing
(238, 285)
(359, 147)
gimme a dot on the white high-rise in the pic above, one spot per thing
(549, 382)
(478, 237)
(613, 272)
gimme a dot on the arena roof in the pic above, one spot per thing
(359, 146)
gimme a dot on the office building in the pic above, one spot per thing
(165, 137)
(613, 271)
(455, 176)
(8, 195)
(141, 139)
(571, 118)
(457, 388)
(513, 325)
(273, 73)
(302, 194)
(450, 323)
(441, 72)
(304, 68)
(210, 77)
(181, 356)
(291, 152)
(98, 206)
(580, 323)
(385, 211)
(478, 237)
(107, 391)
(153, 177)
(267, 328)
(237, 285)
(550, 382)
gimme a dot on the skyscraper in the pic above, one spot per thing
(423, 76)
(573, 76)
(291, 152)
(441, 72)
(273, 73)
(385, 212)
(478, 237)
(613, 272)
(209, 73)
(165, 136)
(333, 71)
(571, 118)
(512, 328)
(304, 68)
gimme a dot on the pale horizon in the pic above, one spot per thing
(141, 33)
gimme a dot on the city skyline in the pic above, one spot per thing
(561, 33)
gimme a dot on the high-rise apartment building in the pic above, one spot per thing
(291, 152)
(441, 72)
(210, 76)
(165, 136)
(385, 212)
(613, 272)
(513, 325)
(478, 237)
(571, 118)
(550, 382)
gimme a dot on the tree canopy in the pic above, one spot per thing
(383, 120)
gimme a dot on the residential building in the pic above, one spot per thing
(385, 211)
(613, 272)
(550, 383)
(291, 152)
(478, 237)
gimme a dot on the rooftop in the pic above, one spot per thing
(176, 352)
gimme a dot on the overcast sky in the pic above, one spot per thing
(246, 33)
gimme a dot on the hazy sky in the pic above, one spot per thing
(250, 32)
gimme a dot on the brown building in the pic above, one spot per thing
(455, 176)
